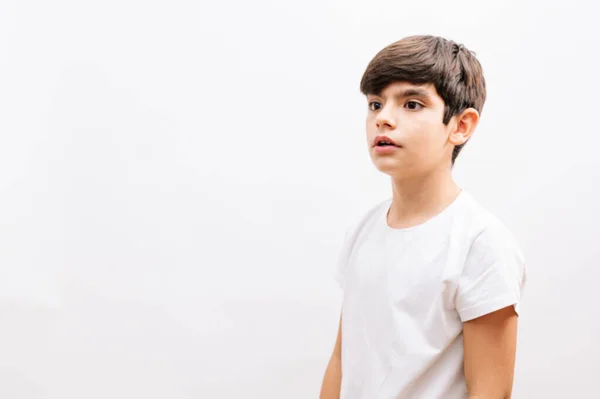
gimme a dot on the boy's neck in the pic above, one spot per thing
(415, 201)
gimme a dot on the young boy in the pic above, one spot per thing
(431, 280)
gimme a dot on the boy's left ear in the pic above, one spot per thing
(466, 122)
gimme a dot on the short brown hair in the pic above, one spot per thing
(452, 68)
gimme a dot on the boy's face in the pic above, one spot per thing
(412, 117)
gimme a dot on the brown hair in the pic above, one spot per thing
(450, 67)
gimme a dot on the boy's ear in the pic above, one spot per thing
(466, 122)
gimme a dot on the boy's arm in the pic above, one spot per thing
(330, 389)
(490, 344)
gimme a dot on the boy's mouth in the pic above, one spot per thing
(384, 141)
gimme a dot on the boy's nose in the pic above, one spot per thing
(383, 120)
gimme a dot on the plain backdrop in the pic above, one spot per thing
(176, 178)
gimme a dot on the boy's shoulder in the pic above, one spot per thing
(472, 230)
(363, 216)
(484, 225)
(359, 219)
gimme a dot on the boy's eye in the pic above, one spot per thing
(413, 105)
(374, 106)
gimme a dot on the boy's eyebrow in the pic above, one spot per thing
(413, 92)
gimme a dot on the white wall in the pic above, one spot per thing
(175, 178)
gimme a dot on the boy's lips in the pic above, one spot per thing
(384, 139)
(387, 149)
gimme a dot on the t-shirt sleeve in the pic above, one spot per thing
(351, 236)
(343, 256)
(493, 277)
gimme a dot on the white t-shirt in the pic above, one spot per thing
(408, 291)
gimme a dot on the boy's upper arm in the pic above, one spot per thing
(487, 301)
(490, 343)
(337, 350)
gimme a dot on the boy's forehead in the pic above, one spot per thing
(399, 87)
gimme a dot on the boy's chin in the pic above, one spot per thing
(392, 168)
(396, 169)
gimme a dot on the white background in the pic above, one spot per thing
(176, 178)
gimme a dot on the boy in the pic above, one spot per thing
(431, 280)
